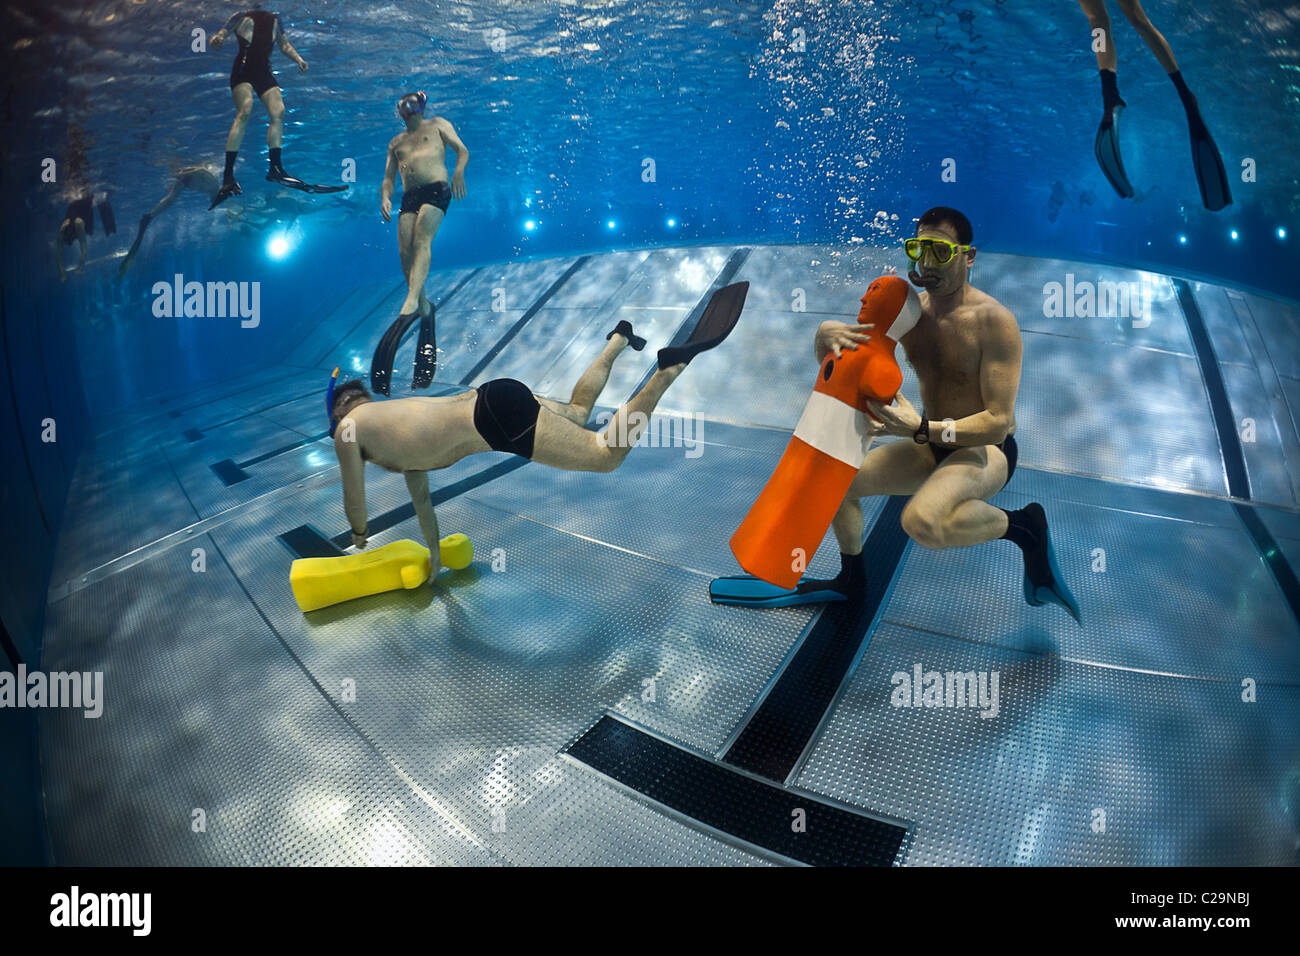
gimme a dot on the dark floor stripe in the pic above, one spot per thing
(229, 472)
(736, 804)
(257, 411)
(779, 731)
(8, 646)
(724, 277)
(523, 320)
(1234, 462)
(1272, 556)
(285, 448)
(192, 434)
(13, 403)
(361, 321)
(306, 542)
(401, 513)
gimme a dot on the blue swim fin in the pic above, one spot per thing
(748, 591)
(1047, 585)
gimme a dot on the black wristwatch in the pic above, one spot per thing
(922, 434)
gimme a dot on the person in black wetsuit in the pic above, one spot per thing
(257, 32)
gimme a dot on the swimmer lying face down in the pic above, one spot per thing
(420, 434)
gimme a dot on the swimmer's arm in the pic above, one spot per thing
(353, 472)
(286, 47)
(452, 139)
(81, 241)
(219, 37)
(390, 177)
(835, 336)
(417, 483)
(999, 382)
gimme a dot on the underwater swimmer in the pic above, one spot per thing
(420, 154)
(1211, 177)
(200, 179)
(421, 434)
(257, 32)
(79, 222)
(966, 351)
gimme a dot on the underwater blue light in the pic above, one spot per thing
(278, 247)
(610, 224)
(1234, 235)
(530, 225)
(672, 223)
(1281, 232)
(1182, 240)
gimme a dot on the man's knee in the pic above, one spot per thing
(243, 114)
(275, 111)
(923, 525)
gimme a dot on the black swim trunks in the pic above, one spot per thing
(1008, 446)
(505, 414)
(430, 194)
(83, 209)
(253, 62)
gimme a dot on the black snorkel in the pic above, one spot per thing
(329, 399)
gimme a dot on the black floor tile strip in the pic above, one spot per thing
(401, 513)
(257, 411)
(1272, 556)
(285, 448)
(306, 542)
(724, 277)
(361, 321)
(736, 804)
(1234, 462)
(229, 472)
(523, 320)
(10, 649)
(13, 404)
(782, 727)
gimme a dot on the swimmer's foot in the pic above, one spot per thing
(624, 328)
(228, 188)
(749, 591)
(276, 174)
(1044, 584)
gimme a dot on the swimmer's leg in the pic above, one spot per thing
(425, 228)
(562, 443)
(243, 97)
(163, 205)
(593, 380)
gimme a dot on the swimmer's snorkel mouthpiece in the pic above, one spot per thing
(412, 104)
(329, 399)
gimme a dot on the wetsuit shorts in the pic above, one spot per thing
(430, 194)
(253, 62)
(1008, 446)
(83, 209)
(505, 414)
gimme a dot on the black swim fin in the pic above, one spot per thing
(280, 177)
(1210, 174)
(106, 218)
(748, 591)
(1043, 582)
(1106, 148)
(719, 318)
(228, 188)
(381, 366)
(426, 351)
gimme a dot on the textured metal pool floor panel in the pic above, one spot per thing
(429, 727)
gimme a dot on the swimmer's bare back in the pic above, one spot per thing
(418, 433)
